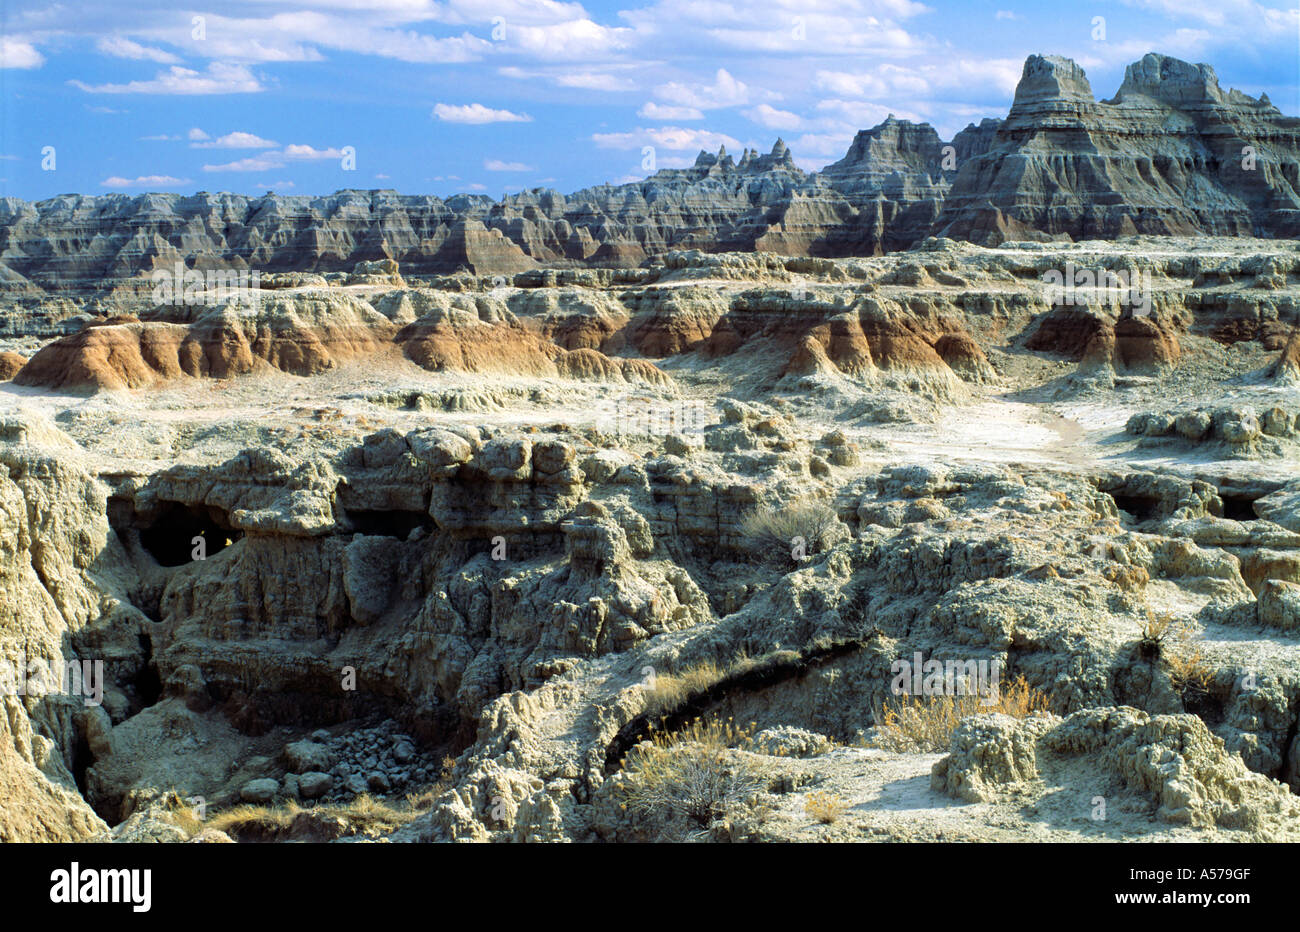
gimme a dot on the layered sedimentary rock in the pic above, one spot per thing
(1170, 153)
(530, 592)
(310, 332)
(299, 334)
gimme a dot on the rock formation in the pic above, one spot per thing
(1171, 153)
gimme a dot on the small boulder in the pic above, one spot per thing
(302, 756)
(313, 785)
(259, 791)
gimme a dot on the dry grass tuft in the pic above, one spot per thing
(927, 722)
(694, 773)
(364, 815)
(772, 531)
(825, 807)
(182, 813)
(1178, 644)
(671, 690)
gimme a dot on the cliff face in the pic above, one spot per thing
(1170, 153)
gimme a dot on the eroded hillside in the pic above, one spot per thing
(466, 544)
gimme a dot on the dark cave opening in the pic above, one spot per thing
(396, 523)
(173, 538)
(1210, 708)
(1140, 507)
(147, 682)
(1239, 507)
(82, 758)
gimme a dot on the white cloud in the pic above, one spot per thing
(122, 47)
(161, 137)
(1006, 14)
(668, 137)
(725, 91)
(496, 165)
(274, 185)
(144, 181)
(893, 82)
(823, 27)
(591, 80)
(654, 111)
(251, 164)
(861, 114)
(18, 53)
(576, 40)
(196, 134)
(851, 85)
(220, 78)
(773, 118)
(297, 35)
(594, 81)
(307, 153)
(236, 140)
(477, 113)
(830, 146)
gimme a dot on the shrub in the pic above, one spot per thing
(926, 723)
(773, 531)
(694, 775)
(1178, 644)
(825, 807)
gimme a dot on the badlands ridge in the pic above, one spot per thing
(461, 534)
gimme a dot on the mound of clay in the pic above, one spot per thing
(675, 320)
(459, 341)
(10, 363)
(300, 334)
(838, 345)
(1134, 345)
(1066, 331)
(1144, 346)
(963, 355)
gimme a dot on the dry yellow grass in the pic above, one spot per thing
(669, 690)
(1178, 644)
(692, 774)
(364, 815)
(927, 722)
(824, 806)
(185, 815)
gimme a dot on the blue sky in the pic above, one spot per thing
(494, 96)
